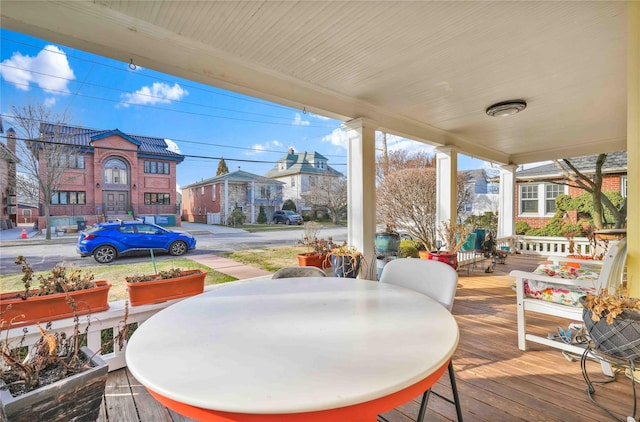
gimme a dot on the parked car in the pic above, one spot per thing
(287, 217)
(107, 241)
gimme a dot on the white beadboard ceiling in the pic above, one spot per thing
(425, 70)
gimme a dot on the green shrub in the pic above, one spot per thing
(408, 249)
(262, 215)
(522, 227)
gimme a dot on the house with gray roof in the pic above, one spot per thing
(112, 174)
(212, 200)
(537, 187)
(299, 172)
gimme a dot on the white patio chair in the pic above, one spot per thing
(288, 272)
(438, 281)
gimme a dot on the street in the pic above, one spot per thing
(44, 255)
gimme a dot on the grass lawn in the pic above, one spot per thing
(253, 228)
(117, 273)
(270, 259)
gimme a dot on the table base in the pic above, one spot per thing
(361, 412)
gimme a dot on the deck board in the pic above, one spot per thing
(496, 380)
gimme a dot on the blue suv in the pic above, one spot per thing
(106, 241)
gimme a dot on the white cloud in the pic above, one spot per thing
(172, 146)
(158, 93)
(297, 121)
(49, 70)
(337, 137)
(319, 117)
(266, 146)
(49, 102)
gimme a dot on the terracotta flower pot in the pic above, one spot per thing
(311, 259)
(77, 397)
(42, 309)
(189, 283)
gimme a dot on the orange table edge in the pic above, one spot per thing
(366, 411)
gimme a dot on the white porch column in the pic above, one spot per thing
(446, 184)
(361, 193)
(633, 149)
(253, 202)
(506, 206)
(226, 202)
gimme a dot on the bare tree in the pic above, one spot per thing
(593, 185)
(330, 193)
(465, 191)
(391, 162)
(407, 199)
(44, 157)
(27, 188)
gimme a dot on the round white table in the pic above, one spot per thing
(293, 349)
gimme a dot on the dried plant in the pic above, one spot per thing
(312, 242)
(162, 275)
(604, 305)
(454, 235)
(60, 280)
(53, 357)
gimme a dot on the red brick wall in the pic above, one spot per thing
(610, 182)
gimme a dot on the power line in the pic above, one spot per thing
(119, 69)
(206, 157)
(184, 141)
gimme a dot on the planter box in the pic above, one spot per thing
(42, 309)
(312, 260)
(76, 398)
(190, 283)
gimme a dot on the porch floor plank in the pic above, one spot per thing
(496, 381)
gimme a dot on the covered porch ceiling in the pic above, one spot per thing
(423, 70)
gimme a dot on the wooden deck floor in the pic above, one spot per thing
(496, 381)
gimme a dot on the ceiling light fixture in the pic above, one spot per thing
(506, 108)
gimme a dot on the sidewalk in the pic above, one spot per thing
(13, 237)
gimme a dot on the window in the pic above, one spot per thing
(493, 187)
(26, 213)
(550, 193)
(202, 190)
(156, 167)
(115, 172)
(319, 164)
(157, 199)
(68, 197)
(623, 186)
(265, 192)
(528, 199)
(74, 161)
(213, 192)
(293, 181)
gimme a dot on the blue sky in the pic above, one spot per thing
(203, 121)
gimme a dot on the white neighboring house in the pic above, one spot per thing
(484, 185)
(299, 171)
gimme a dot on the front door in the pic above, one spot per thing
(116, 202)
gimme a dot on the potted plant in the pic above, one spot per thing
(388, 241)
(317, 247)
(49, 301)
(58, 379)
(346, 261)
(454, 236)
(612, 318)
(165, 285)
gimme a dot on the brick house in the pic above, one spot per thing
(212, 200)
(8, 162)
(537, 187)
(111, 174)
(299, 171)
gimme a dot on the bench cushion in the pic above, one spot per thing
(561, 293)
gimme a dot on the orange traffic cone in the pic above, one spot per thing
(24, 234)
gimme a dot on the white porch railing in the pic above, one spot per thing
(559, 246)
(100, 322)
